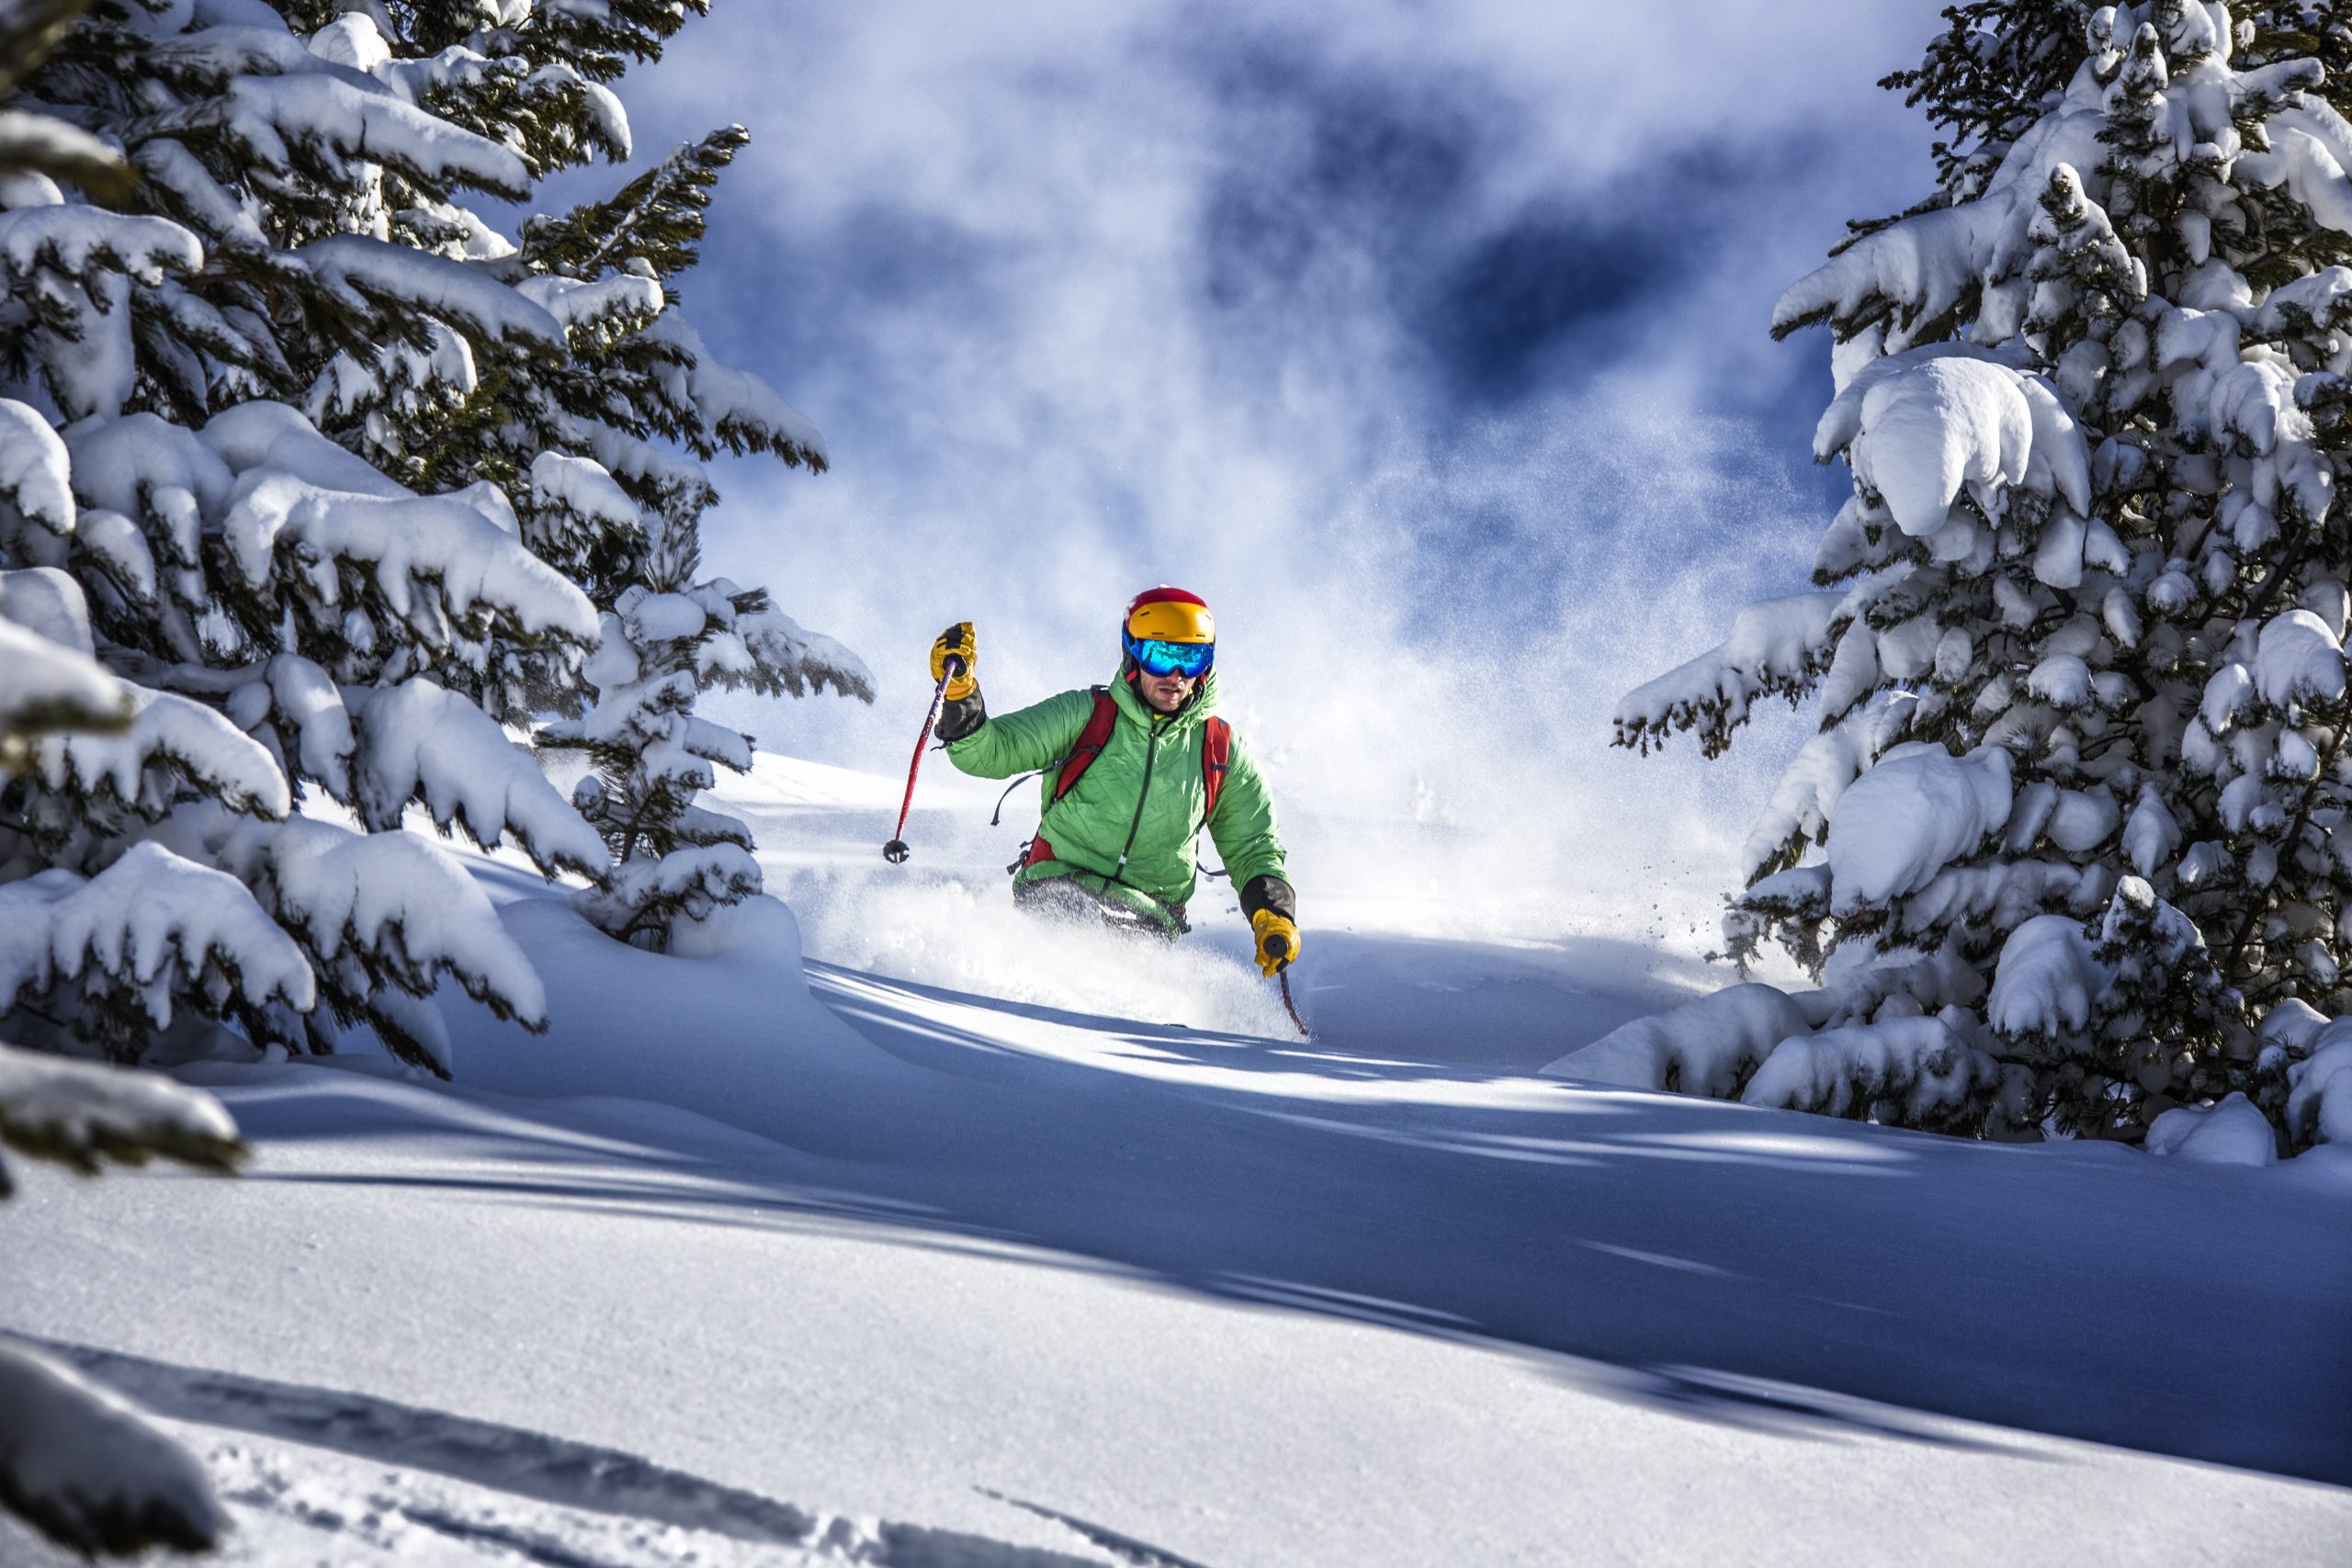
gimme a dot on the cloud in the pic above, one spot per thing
(1427, 342)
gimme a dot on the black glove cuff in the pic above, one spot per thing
(959, 716)
(1269, 893)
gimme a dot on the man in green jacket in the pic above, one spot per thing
(1120, 839)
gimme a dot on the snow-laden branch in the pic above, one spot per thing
(1908, 817)
(281, 122)
(1711, 1047)
(170, 742)
(34, 468)
(49, 687)
(404, 906)
(433, 556)
(151, 925)
(1923, 427)
(83, 242)
(776, 648)
(1923, 1066)
(86, 1115)
(418, 742)
(92, 1473)
(742, 411)
(371, 275)
(1777, 647)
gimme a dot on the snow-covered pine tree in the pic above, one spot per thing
(2071, 849)
(75, 1462)
(626, 515)
(284, 616)
(667, 639)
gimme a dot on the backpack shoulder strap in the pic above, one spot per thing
(1091, 742)
(1216, 750)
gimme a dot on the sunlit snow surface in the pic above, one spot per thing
(997, 1244)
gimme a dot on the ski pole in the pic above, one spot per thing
(896, 850)
(1278, 949)
(1296, 1022)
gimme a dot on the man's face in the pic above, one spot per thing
(1166, 693)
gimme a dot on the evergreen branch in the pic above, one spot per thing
(656, 217)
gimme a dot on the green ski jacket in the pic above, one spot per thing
(1131, 827)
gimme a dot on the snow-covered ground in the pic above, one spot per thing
(992, 1242)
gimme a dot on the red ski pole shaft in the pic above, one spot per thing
(1278, 949)
(896, 850)
(1292, 1008)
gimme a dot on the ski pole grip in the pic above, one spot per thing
(954, 667)
(1278, 947)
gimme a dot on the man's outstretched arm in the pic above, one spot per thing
(1017, 742)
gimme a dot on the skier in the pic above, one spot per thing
(1131, 774)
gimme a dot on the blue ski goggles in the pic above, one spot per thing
(1155, 657)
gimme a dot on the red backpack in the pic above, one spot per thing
(1217, 750)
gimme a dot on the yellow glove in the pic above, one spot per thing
(1277, 942)
(957, 643)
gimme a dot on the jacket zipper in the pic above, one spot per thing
(1150, 750)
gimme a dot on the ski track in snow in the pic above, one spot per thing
(1070, 1251)
(1126, 1549)
(470, 1483)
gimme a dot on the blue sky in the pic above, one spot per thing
(1429, 342)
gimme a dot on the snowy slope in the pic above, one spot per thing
(986, 1228)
